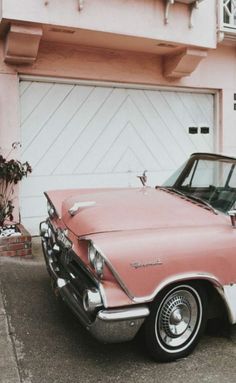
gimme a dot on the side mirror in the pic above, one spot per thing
(232, 214)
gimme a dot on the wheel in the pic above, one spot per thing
(176, 322)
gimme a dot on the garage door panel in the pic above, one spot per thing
(126, 143)
(97, 146)
(154, 133)
(199, 120)
(152, 113)
(61, 147)
(33, 206)
(31, 95)
(180, 140)
(128, 157)
(151, 116)
(42, 113)
(79, 136)
(121, 133)
(194, 116)
(24, 85)
(90, 131)
(43, 142)
(35, 186)
(155, 146)
(205, 103)
(183, 116)
(32, 223)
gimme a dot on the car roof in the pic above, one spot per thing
(214, 155)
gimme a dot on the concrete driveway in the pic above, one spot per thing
(42, 342)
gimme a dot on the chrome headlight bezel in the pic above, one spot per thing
(92, 299)
(99, 264)
(96, 259)
(51, 210)
(91, 253)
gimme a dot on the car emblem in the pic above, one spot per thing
(138, 265)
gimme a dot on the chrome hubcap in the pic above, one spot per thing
(178, 317)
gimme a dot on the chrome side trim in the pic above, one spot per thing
(175, 279)
(125, 314)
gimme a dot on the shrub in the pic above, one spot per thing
(11, 172)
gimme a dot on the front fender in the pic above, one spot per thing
(145, 261)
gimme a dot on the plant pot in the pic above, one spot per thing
(17, 245)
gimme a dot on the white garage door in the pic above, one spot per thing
(92, 136)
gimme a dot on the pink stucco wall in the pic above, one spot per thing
(143, 18)
(9, 121)
(9, 115)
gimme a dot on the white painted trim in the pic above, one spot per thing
(218, 136)
(116, 84)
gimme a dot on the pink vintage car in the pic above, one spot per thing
(161, 258)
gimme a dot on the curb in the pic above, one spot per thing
(8, 362)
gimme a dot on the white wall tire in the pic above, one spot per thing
(176, 322)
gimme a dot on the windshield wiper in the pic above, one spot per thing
(170, 189)
(189, 196)
(177, 191)
(202, 201)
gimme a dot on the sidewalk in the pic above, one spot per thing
(9, 372)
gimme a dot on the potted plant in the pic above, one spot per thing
(11, 173)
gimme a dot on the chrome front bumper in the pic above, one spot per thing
(106, 325)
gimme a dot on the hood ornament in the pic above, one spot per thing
(143, 178)
(78, 205)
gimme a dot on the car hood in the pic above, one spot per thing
(132, 209)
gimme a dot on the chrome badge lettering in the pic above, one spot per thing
(138, 265)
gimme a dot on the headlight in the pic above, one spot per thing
(99, 264)
(96, 259)
(51, 210)
(91, 253)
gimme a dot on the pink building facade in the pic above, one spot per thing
(172, 61)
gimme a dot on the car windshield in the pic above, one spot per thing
(209, 179)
